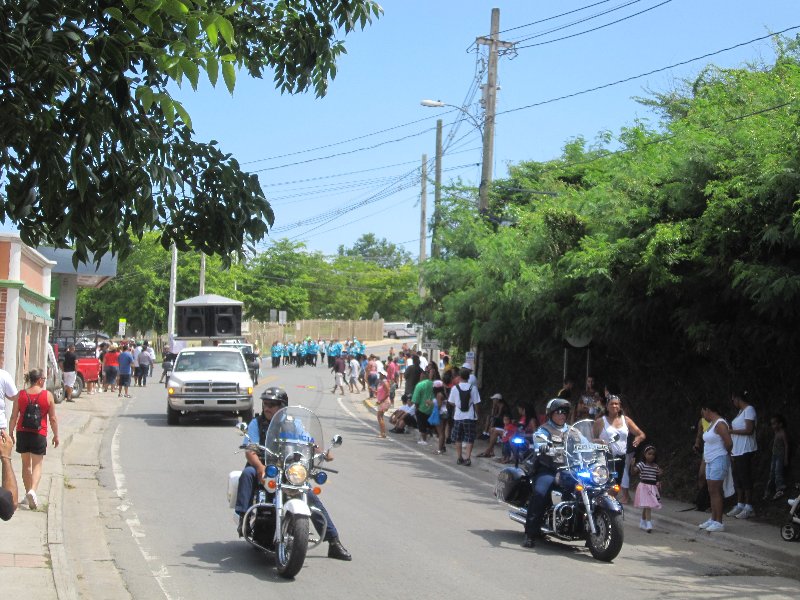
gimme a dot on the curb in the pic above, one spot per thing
(63, 575)
(740, 543)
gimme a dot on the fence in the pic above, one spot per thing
(264, 334)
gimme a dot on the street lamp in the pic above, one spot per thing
(487, 133)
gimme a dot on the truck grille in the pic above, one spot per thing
(210, 387)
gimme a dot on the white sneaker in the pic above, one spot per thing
(745, 514)
(735, 511)
(642, 524)
(649, 526)
(705, 524)
(715, 526)
(422, 443)
(33, 501)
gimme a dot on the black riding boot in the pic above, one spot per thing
(337, 551)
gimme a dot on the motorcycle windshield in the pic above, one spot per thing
(581, 452)
(294, 429)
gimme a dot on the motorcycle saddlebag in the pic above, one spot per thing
(512, 486)
(233, 486)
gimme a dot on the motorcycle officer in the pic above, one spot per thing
(273, 399)
(554, 430)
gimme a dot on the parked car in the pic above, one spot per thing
(54, 383)
(398, 330)
(210, 380)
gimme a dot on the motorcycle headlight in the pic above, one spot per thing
(296, 474)
(599, 474)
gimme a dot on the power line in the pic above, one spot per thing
(566, 37)
(579, 21)
(347, 141)
(408, 162)
(639, 76)
(564, 14)
(345, 153)
(554, 165)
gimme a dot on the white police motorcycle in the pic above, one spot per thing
(278, 521)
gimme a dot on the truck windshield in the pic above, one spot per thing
(210, 361)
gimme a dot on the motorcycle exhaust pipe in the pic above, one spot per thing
(518, 517)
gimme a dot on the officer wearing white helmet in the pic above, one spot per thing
(554, 429)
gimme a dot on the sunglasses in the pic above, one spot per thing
(561, 411)
(272, 403)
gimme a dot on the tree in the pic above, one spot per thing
(140, 291)
(95, 152)
(380, 252)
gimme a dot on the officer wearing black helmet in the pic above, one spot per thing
(272, 400)
(554, 429)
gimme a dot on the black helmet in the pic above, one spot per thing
(557, 404)
(275, 394)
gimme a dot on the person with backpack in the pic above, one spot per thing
(32, 410)
(465, 397)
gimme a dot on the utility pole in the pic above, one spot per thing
(423, 223)
(202, 273)
(490, 98)
(173, 277)
(437, 193)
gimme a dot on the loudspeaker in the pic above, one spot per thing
(227, 320)
(191, 321)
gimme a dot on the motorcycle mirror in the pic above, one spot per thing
(336, 441)
(242, 427)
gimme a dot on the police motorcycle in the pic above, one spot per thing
(582, 508)
(278, 521)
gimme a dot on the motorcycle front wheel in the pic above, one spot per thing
(292, 550)
(606, 544)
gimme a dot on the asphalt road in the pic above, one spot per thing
(418, 526)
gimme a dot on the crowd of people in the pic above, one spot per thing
(443, 402)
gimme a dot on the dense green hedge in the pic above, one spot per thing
(674, 245)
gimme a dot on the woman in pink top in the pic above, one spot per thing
(28, 425)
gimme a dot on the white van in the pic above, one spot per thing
(398, 330)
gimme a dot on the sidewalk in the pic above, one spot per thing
(33, 558)
(750, 536)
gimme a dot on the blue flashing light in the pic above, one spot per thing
(584, 474)
(518, 441)
(321, 477)
(272, 471)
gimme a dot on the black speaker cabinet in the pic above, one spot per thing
(227, 320)
(192, 321)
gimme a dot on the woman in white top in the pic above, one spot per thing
(743, 433)
(614, 422)
(717, 444)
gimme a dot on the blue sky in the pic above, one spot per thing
(418, 49)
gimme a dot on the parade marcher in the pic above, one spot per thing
(555, 430)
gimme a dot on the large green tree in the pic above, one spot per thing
(94, 151)
(678, 253)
